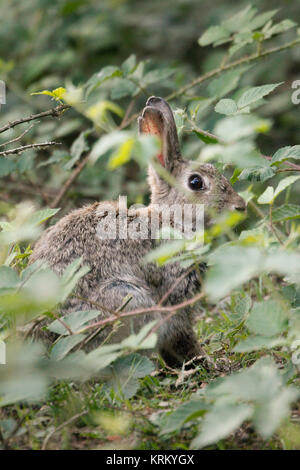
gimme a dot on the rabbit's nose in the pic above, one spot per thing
(240, 205)
(240, 208)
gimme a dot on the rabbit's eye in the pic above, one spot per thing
(196, 183)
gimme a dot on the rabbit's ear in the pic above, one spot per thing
(157, 119)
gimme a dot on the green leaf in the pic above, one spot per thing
(165, 251)
(286, 212)
(240, 41)
(232, 265)
(226, 106)
(255, 94)
(267, 318)
(257, 173)
(124, 373)
(129, 64)
(233, 128)
(106, 73)
(185, 412)
(267, 197)
(123, 87)
(9, 278)
(285, 153)
(223, 419)
(199, 106)
(108, 142)
(122, 155)
(258, 383)
(285, 183)
(157, 76)
(75, 320)
(225, 83)
(242, 306)
(22, 378)
(25, 162)
(64, 346)
(58, 94)
(110, 71)
(101, 357)
(257, 343)
(145, 148)
(78, 147)
(141, 340)
(281, 27)
(71, 276)
(240, 20)
(261, 20)
(6, 166)
(212, 34)
(41, 216)
(205, 138)
(263, 386)
(240, 154)
(269, 415)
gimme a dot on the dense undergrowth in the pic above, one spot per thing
(244, 394)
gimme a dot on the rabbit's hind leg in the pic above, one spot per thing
(177, 342)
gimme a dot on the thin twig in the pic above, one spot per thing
(75, 173)
(61, 426)
(5, 441)
(142, 311)
(23, 148)
(178, 280)
(19, 136)
(127, 113)
(54, 112)
(63, 323)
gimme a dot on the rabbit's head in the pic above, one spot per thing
(176, 180)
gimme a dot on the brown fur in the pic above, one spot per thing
(117, 266)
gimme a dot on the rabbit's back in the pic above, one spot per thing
(76, 235)
(109, 260)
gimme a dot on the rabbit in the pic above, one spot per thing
(117, 266)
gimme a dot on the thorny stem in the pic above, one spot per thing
(231, 65)
(23, 148)
(216, 71)
(155, 308)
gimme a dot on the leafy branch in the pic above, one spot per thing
(54, 112)
(223, 67)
